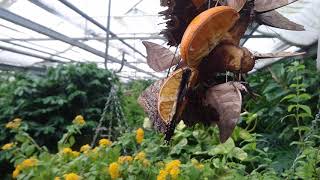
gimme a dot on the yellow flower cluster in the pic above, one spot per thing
(162, 175)
(105, 142)
(71, 176)
(25, 164)
(114, 170)
(7, 146)
(140, 156)
(124, 159)
(79, 120)
(172, 168)
(68, 151)
(14, 124)
(196, 164)
(139, 135)
(85, 148)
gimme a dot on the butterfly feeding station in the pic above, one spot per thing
(207, 81)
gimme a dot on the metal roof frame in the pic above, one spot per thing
(19, 20)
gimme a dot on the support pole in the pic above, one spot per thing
(107, 35)
(318, 54)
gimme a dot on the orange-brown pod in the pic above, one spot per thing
(205, 32)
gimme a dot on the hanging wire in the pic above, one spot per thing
(174, 55)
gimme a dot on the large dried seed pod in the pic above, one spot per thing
(168, 94)
(205, 32)
(228, 57)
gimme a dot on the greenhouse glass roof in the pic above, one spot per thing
(41, 33)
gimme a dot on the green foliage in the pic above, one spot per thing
(133, 112)
(49, 102)
(276, 138)
(284, 113)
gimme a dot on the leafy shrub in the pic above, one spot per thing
(48, 102)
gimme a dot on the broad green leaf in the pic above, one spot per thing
(289, 96)
(238, 153)
(306, 109)
(224, 148)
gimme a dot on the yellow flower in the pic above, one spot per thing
(79, 120)
(7, 146)
(199, 166)
(140, 156)
(28, 163)
(173, 168)
(85, 148)
(75, 153)
(114, 170)
(172, 164)
(124, 159)
(16, 173)
(105, 142)
(14, 123)
(196, 164)
(139, 135)
(162, 175)
(57, 178)
(66, 150)
(71, 176)
(174, 173)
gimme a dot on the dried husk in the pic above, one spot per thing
(227, 100)
(148, 100)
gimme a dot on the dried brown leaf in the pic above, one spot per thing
(159, 58)
(148, 100)
(226, 99)
(236, 4)
(275, 19)
(268, 5)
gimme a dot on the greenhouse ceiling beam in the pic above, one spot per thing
(112, 38)
(249, 35)
(14, 18)
(84, 15)
(49, 8)
(37, 50)
(30, 54)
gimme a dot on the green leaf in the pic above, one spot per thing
(29, 150)
(290, 108)
(71, 141)
(238, 154)
(224, 148)
(177, 148)
(290, 96)
(306, 109)
(304, 96)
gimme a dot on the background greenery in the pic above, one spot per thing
(278, 136)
